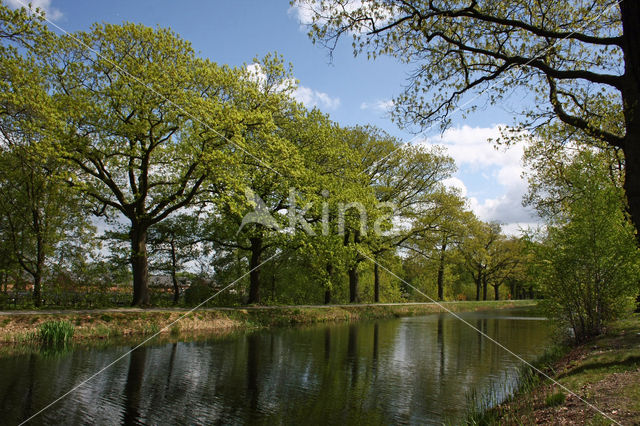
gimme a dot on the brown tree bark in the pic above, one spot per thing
(174, 279)
(376, 282)
(443, 248)
(139, 266)
(354, 297)
(630, 14)
(484, 287)
(254, 274)
(327, 290)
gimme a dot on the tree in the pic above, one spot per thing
(248, 214)
(146, 123)
(411, 182)
(506, 263)
(580, 59)
(437, 230)
(38, 210)
(173, 243)
(588, 263)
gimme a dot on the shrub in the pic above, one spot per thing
(589, 262)
(197, 292)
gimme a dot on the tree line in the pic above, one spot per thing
(576, 63)
(122, 149)
(124, 155)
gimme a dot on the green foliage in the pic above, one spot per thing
(588, 261)
(132, 124)
(55, 333)
(197, 293)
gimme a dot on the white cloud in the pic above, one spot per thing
(470, 148)
(306, 10)
(505, 209)
(309, 97)
(303, 13)
(383, 105)
(50, 12)
(456, 183)
(312, 98)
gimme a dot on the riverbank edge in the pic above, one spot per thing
(22, 327)
(604, 371)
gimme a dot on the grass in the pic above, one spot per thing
(605, 372)
(555, 399)
(96, 326)
(55, 333)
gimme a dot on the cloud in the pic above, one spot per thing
(506, 208)
(303, 12)
(307, 96)
(381, 105)
(455, 183)
(470, 146)
(306, 10)
(312, 98)
(50, 12)
(471, 149)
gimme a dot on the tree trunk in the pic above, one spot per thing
(630, 14)
(37, 293)
(37, 276)
(327, 290)
(254, 274)
(174, 279)
(273, 287)
(496, 292)
(376, 282)
(353, 271)
(40, 258)
(484, 287)
(441, 270)
(353, 285)
(139, 266)
(478, 285)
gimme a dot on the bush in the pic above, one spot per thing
(589, 263)
(197, 293)
(55, 332)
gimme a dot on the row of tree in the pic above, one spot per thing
(124, 128)
(576, 65)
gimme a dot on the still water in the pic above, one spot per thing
(401, 371)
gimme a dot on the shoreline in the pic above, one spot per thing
(21, 327)
(604, 371)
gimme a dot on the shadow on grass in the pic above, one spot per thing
(631, 361)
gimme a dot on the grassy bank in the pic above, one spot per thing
(104, 324)
(605, 372)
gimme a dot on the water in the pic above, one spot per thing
(401, 371)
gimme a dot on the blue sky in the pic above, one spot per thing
(352, 90)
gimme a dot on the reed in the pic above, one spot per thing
(55, 333)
